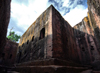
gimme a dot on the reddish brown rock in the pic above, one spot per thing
(9, 53)
(87, 35)
(86, 42)
(49, 69)
(51, 45)
(50, 36)
(4, 20)
(94, 18)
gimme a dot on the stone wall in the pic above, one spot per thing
(64, 45)
(85, 26)
(9, 53)
(86, 42)
(36, 39)
(50, 36)
(4, 20)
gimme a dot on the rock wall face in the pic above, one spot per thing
(86, 42)
(4, 20)
(36, 39)
(94, 18)
(87, 34)
(9, 53)
(84, 26)
(64, 45)
(50, 36)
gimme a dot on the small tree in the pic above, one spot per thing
(12, 36)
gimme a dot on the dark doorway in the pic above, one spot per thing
(33, 38)
(42, 33)
(27, 41)
(10, 56)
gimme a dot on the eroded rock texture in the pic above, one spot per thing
(33, 43)
(4, 20)
(51, 37)
(64, 45)
(48, 38)
(94, 18)
(87, 35)
(86, 42)
(9, 53)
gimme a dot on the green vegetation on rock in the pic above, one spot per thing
(12, 36)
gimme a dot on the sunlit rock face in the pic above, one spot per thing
(50, 36)
(4, 20)
(84, 26)
(94, 18)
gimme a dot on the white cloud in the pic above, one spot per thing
(66, 3)
(76, 15)
(25, 15)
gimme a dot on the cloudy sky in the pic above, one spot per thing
(25, 12)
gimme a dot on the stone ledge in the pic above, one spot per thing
(52, 61)
(49, 69)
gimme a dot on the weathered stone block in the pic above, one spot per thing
(50, 36)
(9, 53)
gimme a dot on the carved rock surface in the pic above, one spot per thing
(50, 36)
(94, 18)
(9, 53)
(4, 20)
